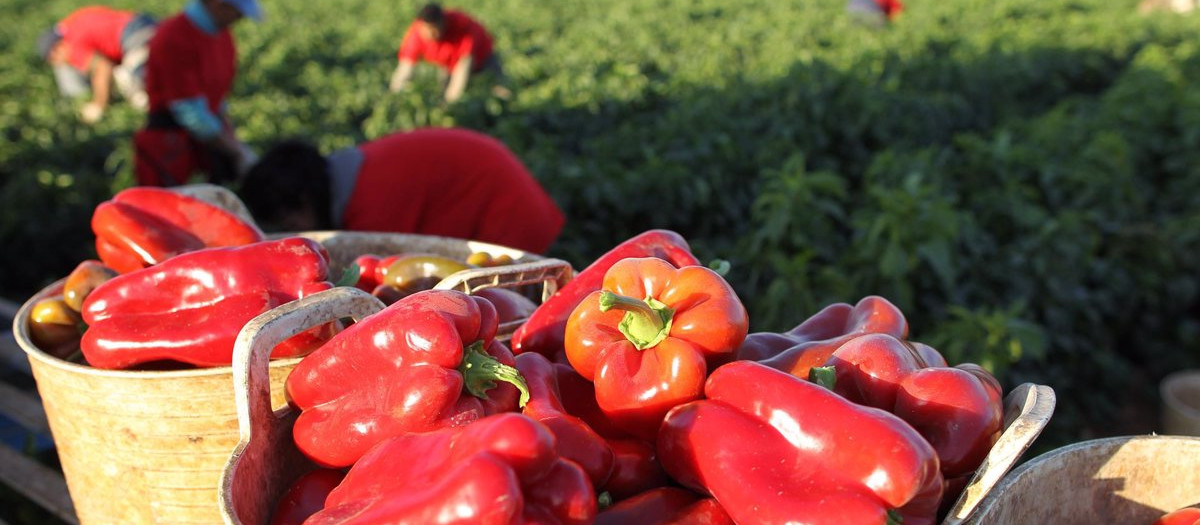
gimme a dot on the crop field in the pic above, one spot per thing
(1021, 177)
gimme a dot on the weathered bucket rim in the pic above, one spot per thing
(1077, 448)
(1074, 448)
(1169, 389)
(21, 325)
(1033, 470)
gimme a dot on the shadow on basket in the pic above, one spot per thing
(1131, 479)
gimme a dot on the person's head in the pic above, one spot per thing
(226, 12)
(288, 189)
(50, 47)
(431, 21)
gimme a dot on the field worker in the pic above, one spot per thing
(98, 46)
(432, 181)
(874, 12)
(188, 76)
(454, 42)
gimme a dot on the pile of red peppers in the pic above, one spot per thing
(176, 280)
(634, 394)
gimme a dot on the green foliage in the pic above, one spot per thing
(1021, 177)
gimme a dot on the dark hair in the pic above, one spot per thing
(290, 176)
(432, 14)
(46, 42)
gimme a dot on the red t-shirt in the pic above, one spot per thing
(461, 36)
(93, 31)
(185, 62)
(891, 8)
(453, 183)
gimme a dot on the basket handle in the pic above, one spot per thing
(252, 349)
(552, 274)
(1027, 410)
(248, 475)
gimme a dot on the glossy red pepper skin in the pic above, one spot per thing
(144, 226)
(635, 463)
(931, 357)
(812, 342)
(412, 367)
(576, 440)
(665, 506)
(117, 258)
(500, 470)
(579, 398)
(544, 332)
(368, 265)
(190, 308)
(653, 349)
(306, 496)
(815, 457)
(291, 267)
(213, 225)
(146, 236)
(510, 305)
(957, 409)
(635, 469)
(1184, 516)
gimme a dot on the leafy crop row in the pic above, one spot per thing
(1019, 176)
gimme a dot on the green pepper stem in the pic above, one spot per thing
(825, 376)
(480, 372)
(646, 323)
(894, 517)
(350, 276)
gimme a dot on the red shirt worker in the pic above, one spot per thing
(874, 12)
(433, 181)
(454, 42)
(94, 47)
(189, 76)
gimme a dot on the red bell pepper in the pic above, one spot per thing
(931, 357)
(428, 361)
(958, 410)
(143, 226)
(368, 266)
(499, 470)
(1184, 516)
(773, 448)
(635, 469)
(648, 338)
(510, 304)
(129, 238)
(576, 441)
(665, 506)
(212, 224)
(544, 331)
(306, 496)
(579, 398)
(635, 464)
(191, 307)
(811, 342)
